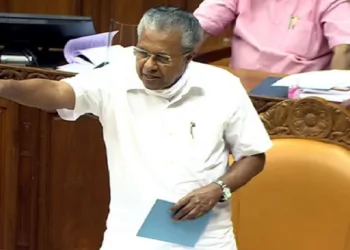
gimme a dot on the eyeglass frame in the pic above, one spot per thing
(165, 56)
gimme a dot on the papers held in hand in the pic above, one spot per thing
(159, 225)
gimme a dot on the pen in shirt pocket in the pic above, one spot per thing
(292, 22)
(192, 126)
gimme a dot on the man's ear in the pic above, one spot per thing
(189, 57)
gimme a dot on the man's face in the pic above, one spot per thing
(160, 59)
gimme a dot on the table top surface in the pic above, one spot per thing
(251, 78)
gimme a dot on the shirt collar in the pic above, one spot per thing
(138, 85)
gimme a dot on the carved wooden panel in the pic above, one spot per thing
(27, 188)
(74, 184)
(2, 177)
(263, 104)
(8, 173)
(312, 118)
(21, 73)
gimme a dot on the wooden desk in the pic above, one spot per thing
(54, 188)
(250, 79)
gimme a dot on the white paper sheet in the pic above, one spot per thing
(320, 80)
(332, 98)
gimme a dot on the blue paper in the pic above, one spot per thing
(265, 88)
(159, 226)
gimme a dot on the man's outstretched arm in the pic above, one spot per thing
(39, 93)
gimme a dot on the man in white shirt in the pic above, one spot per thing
(169, 125)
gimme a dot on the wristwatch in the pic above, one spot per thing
(226, 192)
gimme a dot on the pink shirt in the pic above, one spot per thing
(265, 38)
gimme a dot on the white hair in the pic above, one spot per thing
(166, 19)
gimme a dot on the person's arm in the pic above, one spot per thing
(39, 93)
(341, 57)
(215, 15)
(336, 25)
(248, 140)
(71, 97)
(242, 171)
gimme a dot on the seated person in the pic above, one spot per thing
(282, 36)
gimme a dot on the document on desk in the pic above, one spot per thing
(159, 225)
(317, 80)
(75, 47)
(328, 97)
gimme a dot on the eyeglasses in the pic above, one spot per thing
(158, 58)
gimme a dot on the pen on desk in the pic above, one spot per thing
(192, 126)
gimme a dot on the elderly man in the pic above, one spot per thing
(282, 36)
(168, 124)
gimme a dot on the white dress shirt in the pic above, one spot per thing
(152, 152)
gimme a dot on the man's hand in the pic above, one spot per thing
(197, 203)
(341, 57)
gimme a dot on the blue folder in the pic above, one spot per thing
(265, 88)
(159, 226)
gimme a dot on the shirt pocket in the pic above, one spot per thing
(207, 144)
(197, 147)
(304, 39)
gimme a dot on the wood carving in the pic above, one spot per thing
(262, 104)
(22, 73)
(312, 118)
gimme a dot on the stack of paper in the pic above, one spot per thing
(76, 47)
(332, 85)
(97, 56)
(89, 52)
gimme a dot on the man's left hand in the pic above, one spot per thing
(197, 203)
